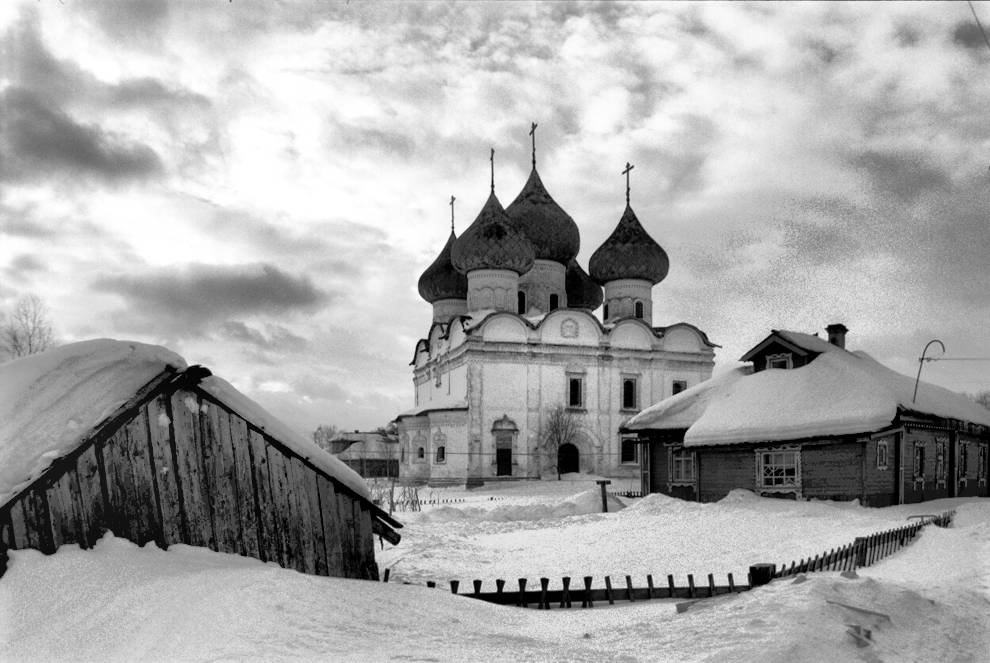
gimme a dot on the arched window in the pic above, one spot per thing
(441, 456)
(554, 302)
(629, 394)
(421, 453)
(605, 313)
(521, 303)
(639, 310)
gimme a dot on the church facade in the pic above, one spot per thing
(518, 376)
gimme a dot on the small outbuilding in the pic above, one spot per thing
(120, 436)
(372, 454)
(809, 419)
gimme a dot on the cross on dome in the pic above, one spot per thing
(625, 172)
(532, 132)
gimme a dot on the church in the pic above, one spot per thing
(519, 377)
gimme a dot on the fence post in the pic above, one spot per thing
(859, 548)
(690, 586)
(499, 586)
(544, 583)
(522, 593)
(587, 603)
(608, 590)
(431, 584)
(649, 583)
(760, 574)
(603, 483)
(385, 577)
(477, 587)
(565, 596)
(629, 588)
(454, 584)
(670, 585)
(732, 585)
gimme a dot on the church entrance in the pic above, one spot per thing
(503, 462)
(568, 459)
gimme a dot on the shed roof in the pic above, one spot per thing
(838, 393)
(50, 403)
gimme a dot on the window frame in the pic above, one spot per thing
(674, 384)
(963, 461)
(634, 382)
(521, 302)
(571, 380)
(682, 466)
(554, 301)
(784, 357)
(440, 455)
(918, 461)
(777, 457)
(628, 443)
(640, 310)
(883, 455)
(981, 469)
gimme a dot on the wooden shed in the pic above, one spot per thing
(810, 419)
(110, 435)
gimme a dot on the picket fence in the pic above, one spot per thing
(864, 551)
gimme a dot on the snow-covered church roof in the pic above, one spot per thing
(51, 402)
(838, 393)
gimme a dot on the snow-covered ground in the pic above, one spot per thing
(121, 602)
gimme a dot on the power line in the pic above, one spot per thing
(978, 24)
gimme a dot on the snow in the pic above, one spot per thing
(119, 602)
(50, 401)
(257, 415)
(838, 393)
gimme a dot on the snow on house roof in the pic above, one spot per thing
(839, 393)
(50, 401)
(371, 448)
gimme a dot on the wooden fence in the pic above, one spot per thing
(864, 551)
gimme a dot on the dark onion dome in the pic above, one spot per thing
(441, 280)
(629, 253)
(551, 230)
(492, 242)
(582, 291)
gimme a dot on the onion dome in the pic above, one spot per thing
(441, 280)
(582, 291)
(629, 253)
(551, 230)
(492, 242)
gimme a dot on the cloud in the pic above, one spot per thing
(968, 35)
(278, 338)
(40, 138)
(192, 297)
(904, 174)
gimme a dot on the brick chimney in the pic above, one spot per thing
(837, 335)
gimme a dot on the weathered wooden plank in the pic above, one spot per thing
(268, 534)
(18, 525)
(90, 497)
(366, 541)
(191, 474)
(218, 455)
(282, 500)
(6, 531)
(166, 476)
(331, 527)
(247, 507)
(347, 539)
(36, 521)
(133, 509)
(63, 508)
(303, 519)
(315, 523)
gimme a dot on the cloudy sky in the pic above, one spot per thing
(258, 186)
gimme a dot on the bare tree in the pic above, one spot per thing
(323, 434)
(561, 428)
(28, 330)
(983, 398)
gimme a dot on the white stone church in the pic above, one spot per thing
(515, 336)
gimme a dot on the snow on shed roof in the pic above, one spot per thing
(839, 393)
(50, 402)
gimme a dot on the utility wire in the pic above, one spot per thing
(978, 24)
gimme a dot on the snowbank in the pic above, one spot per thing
(838, 393)
(589, 501)
(50, 401)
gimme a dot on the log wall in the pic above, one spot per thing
(180, 467)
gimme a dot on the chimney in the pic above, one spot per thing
(837, 335)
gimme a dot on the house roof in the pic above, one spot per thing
(838, 393)
(370, 446)
(50, 403)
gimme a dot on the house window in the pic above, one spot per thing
(521, 303)
(575, 392)
(554, 302)
(421, 453)
(679, 386)
(629, 447)
(963, 460)
(981, 470)
(402, 454)
(441, 455)
(782, 360)
(919, 461)
(778, 469)
(940, 462)
(639, 310)
(629, 400)
(681, 466)
(882, 452)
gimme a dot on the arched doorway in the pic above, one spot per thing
(568, 459)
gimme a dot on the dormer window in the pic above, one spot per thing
(782, 360)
